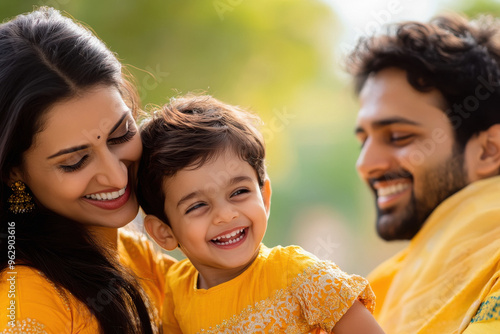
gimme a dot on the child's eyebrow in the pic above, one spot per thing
(232, 181)
(238, 179)
(188, 197)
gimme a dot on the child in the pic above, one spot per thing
(203, 184)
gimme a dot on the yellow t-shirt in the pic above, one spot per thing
(285, 290)
(40, 307)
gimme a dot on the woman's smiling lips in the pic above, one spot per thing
(109, 200)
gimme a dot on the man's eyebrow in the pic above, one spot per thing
(82, 147)
(386, 122)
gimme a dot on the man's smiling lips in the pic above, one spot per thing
(389, 193)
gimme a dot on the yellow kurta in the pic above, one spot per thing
(285, 290)
(42, 308)
(450, 269)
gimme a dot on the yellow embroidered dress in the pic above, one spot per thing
(285, 290)
(39, 307)
(447, 279)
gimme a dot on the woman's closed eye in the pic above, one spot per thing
(122, 139)
(130, 131)
(72, 167)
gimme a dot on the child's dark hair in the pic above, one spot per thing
(187, 132)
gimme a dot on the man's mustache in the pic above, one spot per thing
(393, 175)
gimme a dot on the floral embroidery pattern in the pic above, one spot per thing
(489, 310)
(317, 298)
(28, 326)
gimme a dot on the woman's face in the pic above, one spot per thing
(82, 164)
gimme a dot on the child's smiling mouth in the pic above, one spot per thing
(230, 238)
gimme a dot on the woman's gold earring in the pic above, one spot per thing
(20, 201)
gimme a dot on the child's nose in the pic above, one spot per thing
(225, 214)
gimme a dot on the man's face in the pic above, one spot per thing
(408, 152)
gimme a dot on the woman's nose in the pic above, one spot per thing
(112, 171)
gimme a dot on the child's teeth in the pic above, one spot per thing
(228, 236)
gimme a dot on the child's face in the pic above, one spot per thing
(218, 213)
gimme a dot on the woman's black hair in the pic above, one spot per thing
(45, 58)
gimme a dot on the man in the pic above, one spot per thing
(429, 128)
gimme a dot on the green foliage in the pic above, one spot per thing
(273, 57)
(478, 7)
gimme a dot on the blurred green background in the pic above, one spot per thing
(282, 60)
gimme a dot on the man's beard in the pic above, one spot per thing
(438, 185)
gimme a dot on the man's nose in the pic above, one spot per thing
(374, 160)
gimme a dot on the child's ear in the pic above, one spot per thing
(266, 195)
(160, 232)
(485, 152)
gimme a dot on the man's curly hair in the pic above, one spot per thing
(459, 58)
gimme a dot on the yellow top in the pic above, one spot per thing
(487, 319)
(448, 271)
(40, 307)
(285, 290)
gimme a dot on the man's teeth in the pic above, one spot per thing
(221, 240)
(392, 189)
(106, 196)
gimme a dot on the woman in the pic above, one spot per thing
(68, 153)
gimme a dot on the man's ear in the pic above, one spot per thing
(266, 195)
(160, 232)
(483, 152)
